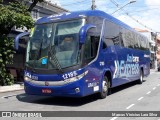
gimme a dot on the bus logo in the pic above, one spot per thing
(127, 67)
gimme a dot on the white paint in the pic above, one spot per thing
(154, 88)
(148, 92)
(130, 106)
(114, 118)
(101, 63)
(96, 88)
(140, 98)
(115, 62)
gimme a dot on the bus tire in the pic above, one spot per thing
(140, 81)
(105, 88)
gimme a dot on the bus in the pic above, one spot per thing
(75, 54)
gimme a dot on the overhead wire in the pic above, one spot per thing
(131, 16)
(115, 3)
(136, 6)
(143, 10)
(75, 3)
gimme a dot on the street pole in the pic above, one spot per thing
(93, 5)
(132, 1)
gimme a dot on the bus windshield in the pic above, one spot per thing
(54, 45)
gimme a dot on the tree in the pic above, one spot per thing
(13, 14)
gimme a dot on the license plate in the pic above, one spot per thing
(46, 91)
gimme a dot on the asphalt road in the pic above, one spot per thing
(129, 97)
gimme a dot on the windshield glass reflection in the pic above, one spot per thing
(54, 46)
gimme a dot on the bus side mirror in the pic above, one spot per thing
(83, 32)
(16, 40)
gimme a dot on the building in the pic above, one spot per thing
(158, 49)
(40, 10)
(45, 9)
(152, 44)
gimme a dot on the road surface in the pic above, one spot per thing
(129, 97)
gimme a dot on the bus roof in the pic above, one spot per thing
(81, 14)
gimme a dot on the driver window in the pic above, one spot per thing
(91, 47)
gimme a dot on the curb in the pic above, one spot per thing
(153, 70)
(14, 87)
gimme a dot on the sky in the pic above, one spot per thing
(143, 14)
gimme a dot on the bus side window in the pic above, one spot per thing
(91, 47)
(111, 34)
(109, 41)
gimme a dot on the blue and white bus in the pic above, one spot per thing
(80, 53)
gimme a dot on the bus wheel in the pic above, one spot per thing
(140, 81)
(105, 88)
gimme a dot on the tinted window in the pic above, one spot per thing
(134, 40)
(111, 34)
(91, 47)
(97, 21)
(128, 38)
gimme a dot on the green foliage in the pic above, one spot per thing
(6, 57)
(13, 14)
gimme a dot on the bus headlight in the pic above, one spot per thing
(27, 78)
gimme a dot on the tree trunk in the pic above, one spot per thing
(33, 5)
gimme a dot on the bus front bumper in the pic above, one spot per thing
(69, 90)
(72, 87)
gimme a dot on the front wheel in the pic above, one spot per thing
(105, 88)
(140, 81)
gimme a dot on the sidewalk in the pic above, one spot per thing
(14, 87)
(153, 70)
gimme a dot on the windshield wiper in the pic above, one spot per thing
(55, 62)
(36, 56)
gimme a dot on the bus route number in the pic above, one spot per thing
(69, 75)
